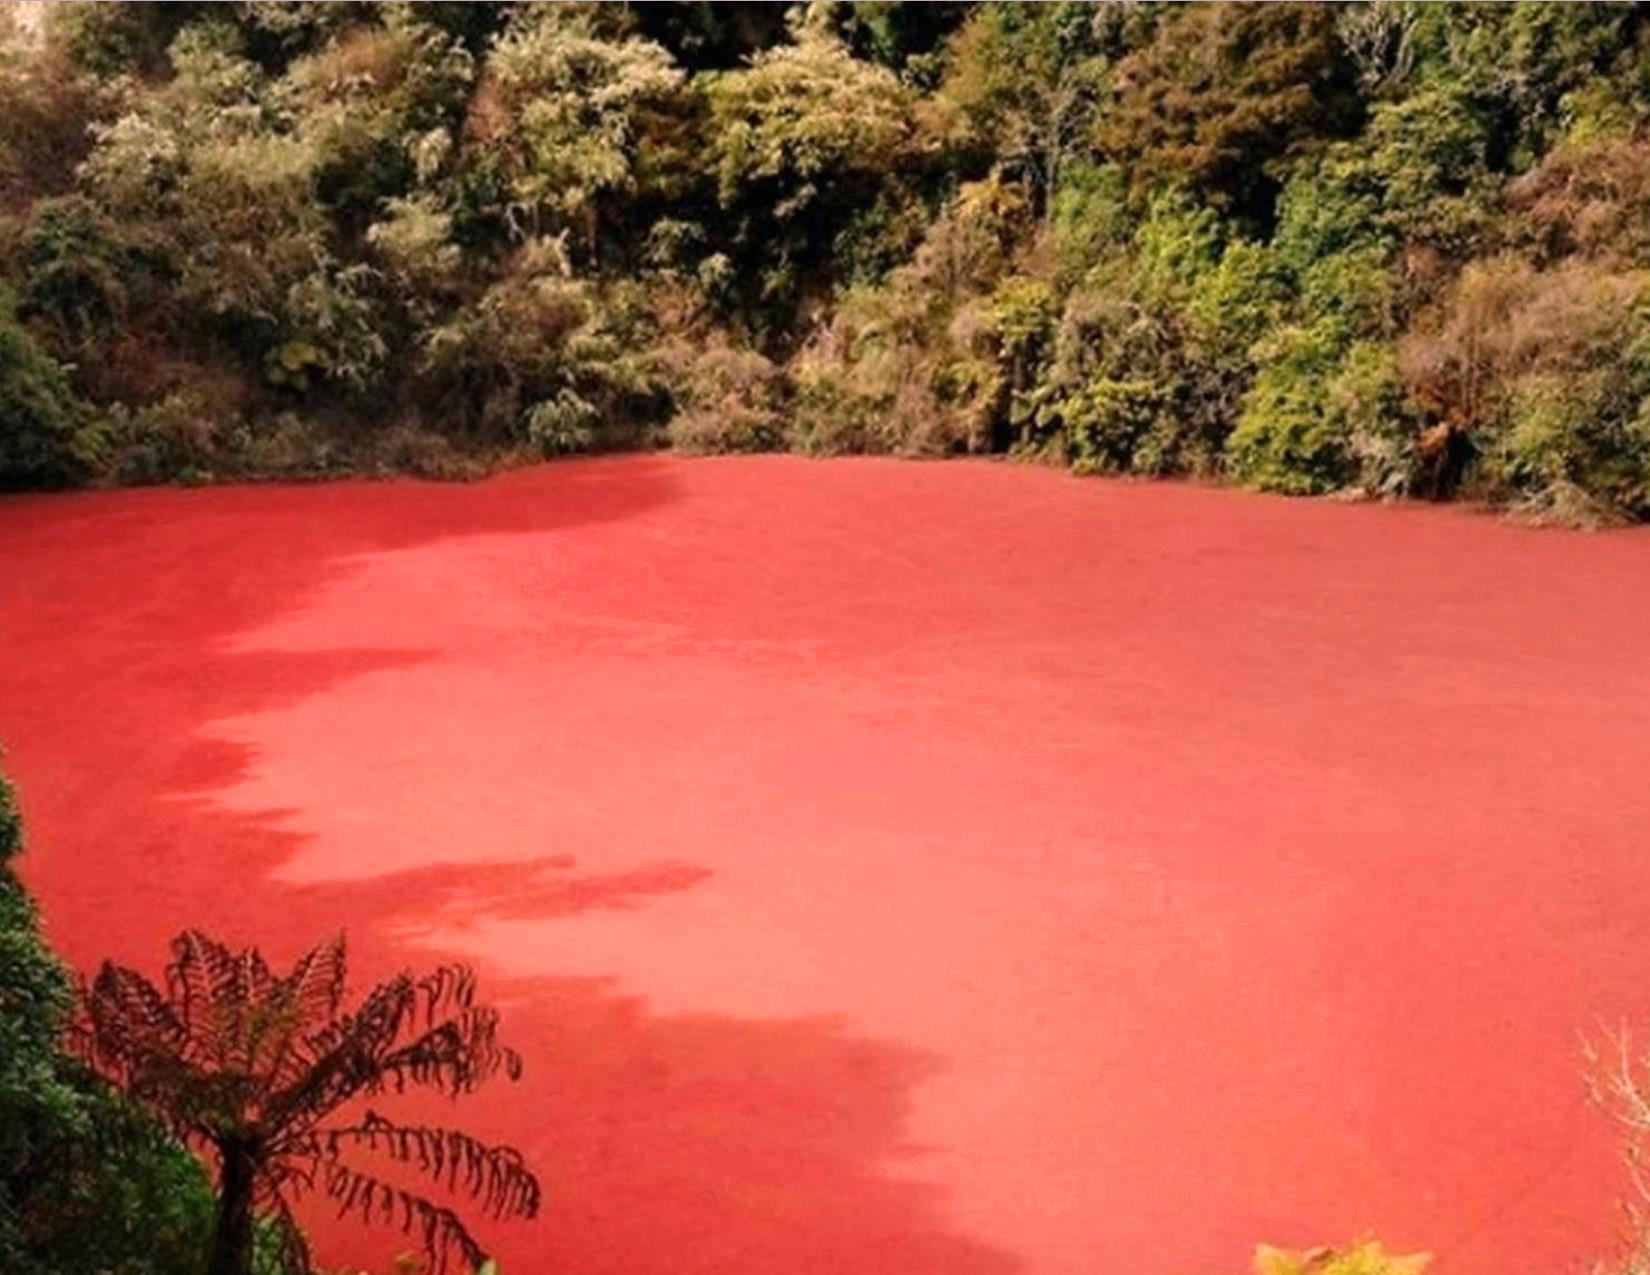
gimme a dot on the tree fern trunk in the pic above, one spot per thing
(232, 1228)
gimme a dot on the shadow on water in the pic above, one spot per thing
(460, 894)
(674, 1143)
(701, 1143)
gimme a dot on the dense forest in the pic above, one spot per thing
(1376, 249)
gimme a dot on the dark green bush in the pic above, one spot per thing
(46, 435)
(86, 1184)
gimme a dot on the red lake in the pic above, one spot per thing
(891, 868)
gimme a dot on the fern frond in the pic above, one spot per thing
(440, 1231)
(496, 1176)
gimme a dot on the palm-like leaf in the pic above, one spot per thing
(244, 1063)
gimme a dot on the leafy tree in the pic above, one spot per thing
(216, 198)
(542, 356)
(377, 106)
(921, 362)
(265, 1073)
(1429, 156)
(1525, 60)
(1225, 93)
(75, 271)
(800, 141)
(1031, 79)
(1289, 438)
(1153, 353)
(569, 116)
(110, 40)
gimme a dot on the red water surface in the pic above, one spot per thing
(893, 869)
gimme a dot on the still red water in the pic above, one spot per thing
(893, 869)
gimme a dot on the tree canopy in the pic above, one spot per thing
(1226, 239)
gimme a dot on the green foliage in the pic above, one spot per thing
(540, 357)
(800, 141)
(46, 437)
(725, 400)
(860, 388)
(73, 270)
(1022, 312)
(1288, 438)
(920, 364)
(85, 1183)
(1418, 176)
(1429, 157)
(375, 105)
(572, 118)
(1088, 218)
(276, 238)
(111, 40)
(1030, 80)
(218, 201)
(266, 1074)
(1224, 93)
(1153, 351)
(1378, 423)
(1525, 61)
(1546, 375)
(1108, 423)
(1234, 304)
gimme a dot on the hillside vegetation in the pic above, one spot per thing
(1379, 249)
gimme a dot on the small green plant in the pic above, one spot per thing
(562, 424)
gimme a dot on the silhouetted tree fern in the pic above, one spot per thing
(257, 1070)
